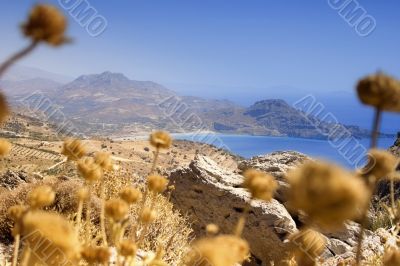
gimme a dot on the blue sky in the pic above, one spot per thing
(237, 49)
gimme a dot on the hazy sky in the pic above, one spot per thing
(221, 48)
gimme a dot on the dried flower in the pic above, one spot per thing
(73, 149)
(212, 229)
(96, 254)
(53, 237)
(261, 185)
(308, 245)
(391, 257)
(127, 248)
(381, 163)
(157, 183)
(89, 170)
(160, 139)
(327, 194)
(82, 194)
(380, 91)
(4, 108)
(16, 212)
(148, 215)
(41, 196)
(130, 195)
(46, 24)
(5, 147)
(223, 250)
(104, 160)
(116, 209)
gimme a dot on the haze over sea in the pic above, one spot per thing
(249, 146)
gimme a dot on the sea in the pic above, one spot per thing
(248, 146)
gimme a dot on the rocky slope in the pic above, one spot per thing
(209, 193)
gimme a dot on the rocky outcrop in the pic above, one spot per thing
(395, 149)
(211, 194)
(11, 180)
(276, 163)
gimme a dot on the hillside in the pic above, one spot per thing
(112, 104)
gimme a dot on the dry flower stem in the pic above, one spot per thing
(26, 256)
(16, 248)
(376, 127)
(88, 209)
(153, 167)
(242, 220)
(102, 218)
(16, 57)
(372, 184)
(79, 215)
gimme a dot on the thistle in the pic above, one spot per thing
(130, 195)
(73, 149)
(46, 24)
(223, 250)
(41, 196)
(5, 148)
(89, 170)
(391, 257)
(307, 246)
(54, 239)
(116, 209)
(327, 194)
(261, 186)
(96, 254)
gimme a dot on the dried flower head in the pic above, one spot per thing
(391, 257)
(380, 91)
(127, 248)
(160, 139)
(96, 254)
(74, 149)
(223, 250)
(17, 211)
(41, 196)
(5, 147)
(104, 160)
(308, 245)
(4, 108)
(82, 194)
(381, 163)
(148, 215)
(116, 209)
(89, 170)
(130, 195)
(212, 229)
(326, 193)
(54, 238)
(46, 24)
(156, 183)
(261, 185)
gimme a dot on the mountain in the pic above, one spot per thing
(112, 104)
(20, 88)
(19, 73)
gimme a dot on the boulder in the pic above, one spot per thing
(210, 194)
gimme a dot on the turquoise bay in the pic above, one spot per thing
(249, 146)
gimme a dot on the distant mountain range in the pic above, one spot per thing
(110, 103)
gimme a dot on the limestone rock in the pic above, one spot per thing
(276, 163)
(209, 194)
